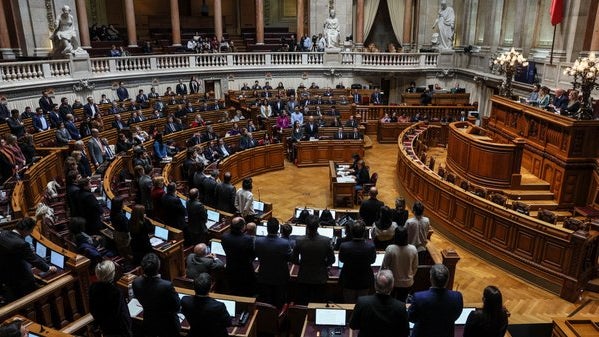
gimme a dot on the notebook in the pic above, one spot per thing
(334, 317)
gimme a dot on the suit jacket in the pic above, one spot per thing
(55, 119)
(197, 265)
(88, 110)
(73, 131)
(194, 87)
(173, 206)
(313, 255)
(15, 126)
(16, 259)
(369, 210)
(224, 196)
(340, 136)
(206, 316)
(91, 210)
(357, 257)
(109, 309)
(221, 151)
(239, 248)
(208, 189)
(38, 124)
(561, 102)
(95, 151)
(247, 143)
(181, 89)
(197, 217)
(4, 113)
(46, 104)
(273, 253)
(160, 303)
(434, 312)
(356, 98)
(380, 316)
(311, 129)
(122, 93)
(376, 98)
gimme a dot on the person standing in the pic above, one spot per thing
(357, 256)
(107, 304)
(380, 315)
(239, 248)
(174, 210)
(273, 253)
(17, 258)
(158, 299)
(206, 316)
(314, 255)
(224, 195)
(418, 228)
(402, 259)
(196, 219)
(434, 311)
(244, 200)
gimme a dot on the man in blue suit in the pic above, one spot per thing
(273, 253)
(434, 311)
(122, 92)
(560, 101)
(39, 121)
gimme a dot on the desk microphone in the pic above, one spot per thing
(259, 195)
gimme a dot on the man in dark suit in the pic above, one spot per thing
(380, 315)
(356, 97)
(371, 207)
(376, 97)
(247, 141)
(89, 207)
(357, 255)
(314, 255)
(158, 298)
(560, 101)
(196, 219)
(224, 195)
(205, 315)
(355, 134)
(15, 124)
(273, 253)
(173, 207)
(339, 134)
(239, 248)
(278, 106)
(142, 99)
(4, 111)
(64, 109)
(194, 85)
(223, 149)
(45, 102)
(181, 88)
(91, 109)
(39, 121)
(434, 311)
(122, 92)
(118, 123)
(311, 128)
(16, 259)
(208, 189)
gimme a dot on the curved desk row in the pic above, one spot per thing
(548, 256)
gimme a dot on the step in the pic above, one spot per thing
(537, 185)
(593, 285)
(550, 205)
(530, 194)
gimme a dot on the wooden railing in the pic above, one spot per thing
(549, 256)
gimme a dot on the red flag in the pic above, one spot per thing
(556, 11)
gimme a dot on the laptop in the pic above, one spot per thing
(299, 210)
(464, 316)
(160, 236)
(330, 317)
(326, 231)
(57, 259)
(261, 231)
(230, 305)
(258, 207)
(217, 248)
(378, 262)
(298, 230)
(41, 250)
(213, 218)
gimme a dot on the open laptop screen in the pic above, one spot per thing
(230, 305)
(41, 250)
(161, 232)
(330, 317)
(57, 259)
(217, 248)
(213, 215)
(258, 206)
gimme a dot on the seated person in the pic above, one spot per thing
(573, 104)
(355, 134)
(339, 134)
(201, 262)
(560, 101)
(311, 128)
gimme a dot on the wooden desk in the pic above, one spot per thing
(343, 193)
(35, 328)
(438, 98)
(320, 152)
(575, 327)
(310, 329)
(242, 304)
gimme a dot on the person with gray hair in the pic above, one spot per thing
(107, 304)
(380, 314)
(434, 311)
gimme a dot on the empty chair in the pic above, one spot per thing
(450, 177)
(497, 198)
(441, 171)
(547, 216)
(521, 207)
(573, 224)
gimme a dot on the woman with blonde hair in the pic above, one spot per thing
(107, 304)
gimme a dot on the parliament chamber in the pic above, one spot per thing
(511, 189)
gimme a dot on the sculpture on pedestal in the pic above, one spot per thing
(445, 22)
(331, 30)
(64, 38)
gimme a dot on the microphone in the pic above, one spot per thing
(258, 194)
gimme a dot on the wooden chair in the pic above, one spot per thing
(573, 224)
(521, 207)
(450, 177)
(547, 216)
(497, 198)
(480, 191)
(270, 320)
(465, 185)
(441, 172)
(363, 193)
(431, 163)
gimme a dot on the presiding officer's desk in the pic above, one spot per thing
(242, 304)
(342, 186)
(320, 152)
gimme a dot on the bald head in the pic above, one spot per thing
(200, 249)
(384, 282)
(373, 192)
(250, 228)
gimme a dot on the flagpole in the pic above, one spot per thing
(552, 45)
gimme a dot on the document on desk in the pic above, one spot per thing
(135, 307)
(347, 179)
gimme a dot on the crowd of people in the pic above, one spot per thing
(565, 103)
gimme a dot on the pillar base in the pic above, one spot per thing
(8, 54)
(81, 66)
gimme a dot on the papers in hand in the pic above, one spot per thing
(135, 307)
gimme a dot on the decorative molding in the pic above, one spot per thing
(83, 84)
(50, 16)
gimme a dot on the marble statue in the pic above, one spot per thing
(331, 30)
(445, 22)
(64, 38)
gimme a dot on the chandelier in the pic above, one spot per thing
(508, 63)
(585, 71)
